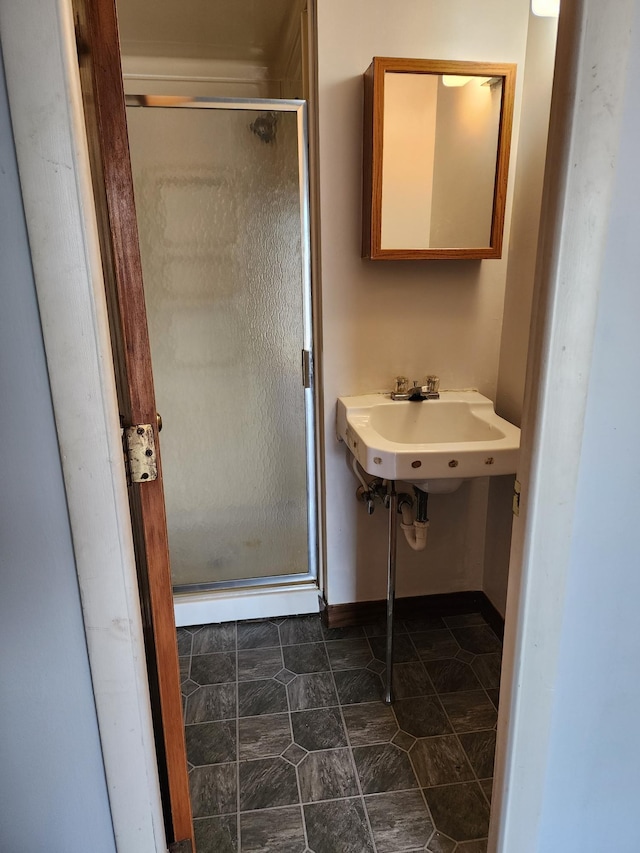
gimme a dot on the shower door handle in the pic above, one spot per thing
(306, 368)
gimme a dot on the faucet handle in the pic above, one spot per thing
(401, 385)
(431, 384)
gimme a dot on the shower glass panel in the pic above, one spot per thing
(221, 200)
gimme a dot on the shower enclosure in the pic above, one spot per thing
(222, 208)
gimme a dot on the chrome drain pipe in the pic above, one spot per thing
(392, 505)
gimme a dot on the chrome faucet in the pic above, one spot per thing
(404, 390)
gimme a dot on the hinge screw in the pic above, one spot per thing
(140, 431)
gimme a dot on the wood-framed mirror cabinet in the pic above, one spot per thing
(437, 138)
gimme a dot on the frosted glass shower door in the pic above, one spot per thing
(220, 192)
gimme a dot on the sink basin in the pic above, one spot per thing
(433, 444)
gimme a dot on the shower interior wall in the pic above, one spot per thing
(381, 319)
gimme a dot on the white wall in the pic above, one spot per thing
(53, 794)
(514, 344)
(380, 319)
(593, 770)
(523, 243)
(569, 669)
(385, 318)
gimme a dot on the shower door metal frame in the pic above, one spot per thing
(298, 107)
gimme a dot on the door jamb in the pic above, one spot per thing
(42, 81)
(586, 110)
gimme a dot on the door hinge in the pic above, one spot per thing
(516, 497)
(180, 847)
(307, 368)
(140, 453)
(82, 48)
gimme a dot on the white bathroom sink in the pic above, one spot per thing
(434, 444)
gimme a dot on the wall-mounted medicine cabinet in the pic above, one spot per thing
(437, 136)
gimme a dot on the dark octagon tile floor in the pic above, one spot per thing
(291, 750)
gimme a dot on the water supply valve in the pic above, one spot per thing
(368, 496)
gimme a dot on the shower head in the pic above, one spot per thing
(264, 126)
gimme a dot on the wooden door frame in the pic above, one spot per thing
(104, 108)
(41, 70)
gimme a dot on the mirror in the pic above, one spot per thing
(436, 158)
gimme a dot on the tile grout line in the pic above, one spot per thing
(333, 799)
(420, 788)
(484, 689)
(426, 671)
(238, 826)
(186, 698)
(360, 796)
(456, 734)
(350, 747)
(464, 752)
(295, 766)
(313, 803)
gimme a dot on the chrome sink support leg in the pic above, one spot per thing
(391, 587)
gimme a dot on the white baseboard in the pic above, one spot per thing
(258, 603)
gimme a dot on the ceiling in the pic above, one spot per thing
(246, 30)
